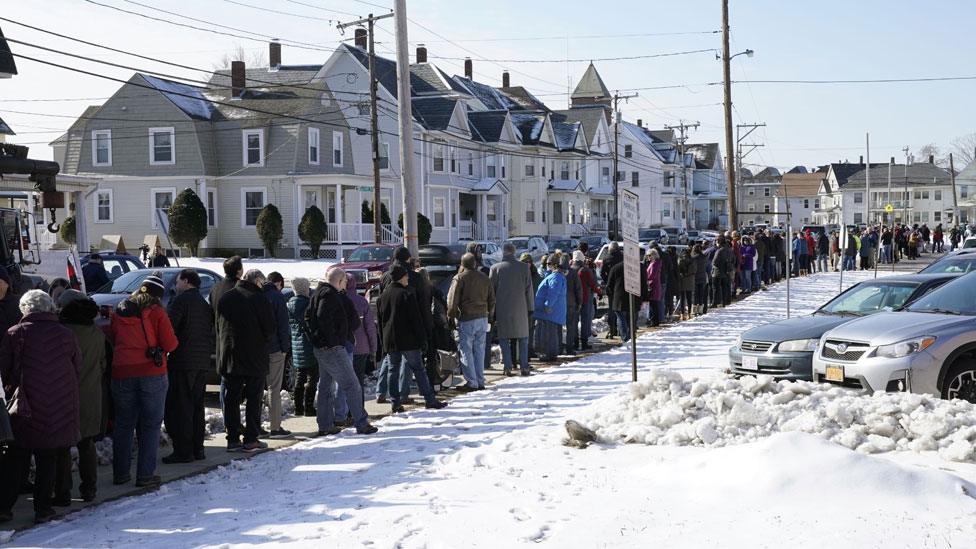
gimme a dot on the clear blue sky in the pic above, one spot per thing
(807, 124)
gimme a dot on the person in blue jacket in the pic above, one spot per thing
(550, 309)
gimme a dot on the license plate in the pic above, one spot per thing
(750, 362)
(834, 373)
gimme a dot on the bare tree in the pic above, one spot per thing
(252, 58)
(963, 150)
(933, 150)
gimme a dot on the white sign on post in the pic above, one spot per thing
(629, 218)
(628, 227)
(632, 268)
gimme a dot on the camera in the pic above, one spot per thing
(156, 355)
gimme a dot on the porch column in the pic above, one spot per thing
(297, 199)
(448, 210)
(483, 215)
(338, 210)
(81, 221)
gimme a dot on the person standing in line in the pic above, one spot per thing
(78, 313)
(511, 283)
(550, 309)
(686, 283)
(700, 279)
(142, 335)
(823, 251)
(365, 335)
(536, 281)
(470, 303)
(723, 268)
(278, 347)
(620, 300)
(614, 255)
(330, 331)
(245, 324)
(655, 286)
(748, 253)
(574, 299)
(39, 364)
(590, 290)
(193, 322)
(404, 337)
(302, 356)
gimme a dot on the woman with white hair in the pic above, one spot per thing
(39, 363)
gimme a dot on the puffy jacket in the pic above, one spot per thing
(550, 299)
(132, 332)
(245, 323)
(400, 320)
(365, 334)
(327, 319)
(280, 342)
(302, 354)
(193, 324)
(653, 273)
(748, 257)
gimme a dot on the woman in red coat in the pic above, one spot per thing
(39, 364)
(142, 336)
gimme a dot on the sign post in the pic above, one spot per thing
(629, 218)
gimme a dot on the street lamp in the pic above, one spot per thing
(747, 53)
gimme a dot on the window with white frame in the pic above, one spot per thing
(806, 202)
(161, 200)
(529, 169)
(470, 164)
(557, 212)
(666, 209)
(628, 151)
(605, 175)
(668, 178)
(765, 208)
(963, 191)
(312, 199)
(437, 153)
(104, 206)
(635, 179)
(858, 217)
(314, 140)
(162, 146)
(253, 200)
(491, 209)
(938, 195)
(751, 191)
(501, 163)
(577, 169)
(816, 203)
(211, 207)
(253, 141)
(439, 211)
(490, 166)
(858, 198)
(765, 191)
(384, 156)
(337, 149)
(936, 216)
(564, 170)
(102, 148)
(925, 195)
(530, 210)
(452, 154)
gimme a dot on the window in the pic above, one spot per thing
(313, 146)
(162, 146)
(806, 202)
(557, 212)
(635, 179)
(925, 217)
(312, 199)
(937, 196)
(253, 148)
(576, 168)
(604, 175)
(453, 155)
(491, 209)
(471, 164)
(858, 217)
(530, 210)
(384, 156)
(529, 170)
(337, 149)
(752, 191)
(490, 166)
(765, 208)
(621, 176)
(543, 169)
(564, 170)
(438, 211)
(102, 148)
(918, 195)
(628, 151)
(252, 202)
(502, 164)
(437, 153)
(936, 216)
(666, 209)
(668, 178)
(816, 203)
(752, 207)
(211, 207)
(103, 206)
(363, 108)
(765, 191)
(858, 198)
(963, 191)
(162, 199)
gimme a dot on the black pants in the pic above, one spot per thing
(722, 291)
(14, 460)
(306, 383)
(87, 470)
(238, 388)
(184, 411)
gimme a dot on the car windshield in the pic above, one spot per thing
(563, 245)
(646, 234)
(130, 281)
(957, 297)
(671, 230)
(962, 264)
(519, 243)
(592, 240)
(969, 243)
(871, 297)
(371, 253)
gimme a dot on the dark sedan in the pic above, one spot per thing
(784, 349)
(111, 294)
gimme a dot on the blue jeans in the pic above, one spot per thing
(414, 362)
(746, 280)
(822, 263)
(523, 352)
(336, 366)
(586, 321)
(139, 406)
(383, 380)
(623, 324)
(849, 262)
(472, 335)
(341, 407)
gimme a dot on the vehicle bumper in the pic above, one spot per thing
(875, 373)
(786, 366)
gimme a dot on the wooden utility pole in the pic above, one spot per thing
(682, 137)
(727, 89)
(373, 121)
(406, 130)
(955, 202)
(615, 227)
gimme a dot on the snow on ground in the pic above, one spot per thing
(289, 268)
(490, 471)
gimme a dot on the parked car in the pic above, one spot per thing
(115, 264)
(564, 244)
(929, 347)
(962, 261)
(113, 293)
(533, 245)
(814, 229)
(676, 235)
(490, 250)
(368, 263)
(784, 349)
(594, 242)
(653, 235)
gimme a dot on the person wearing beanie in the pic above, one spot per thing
(142, 335)
(94, 273)
(470, 303)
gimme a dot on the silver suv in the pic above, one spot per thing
(929, 347)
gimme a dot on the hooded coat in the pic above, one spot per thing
(79, 317)
(550, 299)
(245, 323)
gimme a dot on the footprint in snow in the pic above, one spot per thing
(539, 535)
(519, 514)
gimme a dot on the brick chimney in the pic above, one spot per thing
(237, 79)
(640, 123)
(274, 54)
(468, 69)
(931, 159)
(361, 41)
(506, 81)
(421, 53)
(861, 160)
(892, 160)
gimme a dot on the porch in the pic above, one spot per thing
(476, 210)
(342, 204)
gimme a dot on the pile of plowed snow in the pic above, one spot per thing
(665, 409)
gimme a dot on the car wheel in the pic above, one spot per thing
(961, 381)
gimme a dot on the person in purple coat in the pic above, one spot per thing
(748, 264)
(365, 334)
(40, 362)
(655, 289)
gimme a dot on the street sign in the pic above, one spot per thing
(889, 208)
(629, 218)
(632, 268)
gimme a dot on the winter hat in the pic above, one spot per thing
(153, 285)
(69, 296)
(579, 256)
(526, 257)
(401, 254)
(397, 272)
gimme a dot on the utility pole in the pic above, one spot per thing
(373, 122)
(955, 202)
(904, 214)
(867, 180)
(615, 227)
(727, 88)
(739, 137)
(406, 130)
(682, 137)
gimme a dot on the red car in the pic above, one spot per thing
(368, 263)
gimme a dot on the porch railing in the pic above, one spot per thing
(466, 229)
(598, 224)
(493, 231)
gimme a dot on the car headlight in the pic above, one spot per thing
(796, 345)
(374, 275)
(905, 348)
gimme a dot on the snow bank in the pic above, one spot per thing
(289, 268)
(666, 409)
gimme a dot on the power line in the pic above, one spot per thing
(299, 15)
(587, 60)
(579, 37)
(865, 81)
(329, 10)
